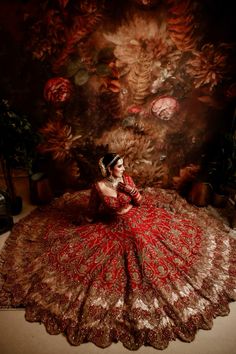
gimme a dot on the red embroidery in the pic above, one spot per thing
(143, 278)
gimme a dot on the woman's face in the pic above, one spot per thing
(118, 169)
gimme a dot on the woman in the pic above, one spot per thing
(133, 272)
(114, 185)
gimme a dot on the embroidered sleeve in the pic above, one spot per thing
(93, 205)
(136, 196)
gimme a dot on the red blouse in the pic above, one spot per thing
(112, 205)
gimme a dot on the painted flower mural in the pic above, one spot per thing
(144, 80)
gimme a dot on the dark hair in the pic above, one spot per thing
(110, 159)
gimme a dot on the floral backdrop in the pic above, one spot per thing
(152, 80)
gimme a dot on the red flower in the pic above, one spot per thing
(164, 107)
(58, 90)
(134, 109)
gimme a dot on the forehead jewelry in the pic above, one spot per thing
(117, 157)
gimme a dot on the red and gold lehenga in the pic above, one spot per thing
(159, 272)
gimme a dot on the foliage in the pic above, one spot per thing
(140, 78)
(181, 25)
(229, 151)
(222, 169)
(18, 140)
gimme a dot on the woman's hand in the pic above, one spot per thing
(131, 190)
(126, 188)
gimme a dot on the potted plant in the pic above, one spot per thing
(221, 169)
(18, 143)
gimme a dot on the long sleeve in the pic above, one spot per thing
(136, 196)
(93, 205)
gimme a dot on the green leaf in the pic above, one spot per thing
(73, 67)
(81, 77)
(103, 70)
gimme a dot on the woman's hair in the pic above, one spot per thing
(108, 160)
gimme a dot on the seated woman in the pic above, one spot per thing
(116, 191)
(132, 272)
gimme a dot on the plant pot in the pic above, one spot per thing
(6, 219)
(219, 200)
(16, 205)
(200, 194)
(233, 220)
(40, 190)
(6, 223)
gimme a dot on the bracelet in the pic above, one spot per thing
(133, 191)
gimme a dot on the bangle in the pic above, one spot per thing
(134, 192)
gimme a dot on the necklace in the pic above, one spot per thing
(112, 182)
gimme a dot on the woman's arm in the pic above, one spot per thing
(130, 188)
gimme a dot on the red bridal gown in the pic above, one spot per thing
(159, 272)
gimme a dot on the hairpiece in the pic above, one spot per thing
(102, 167)
(117, 157)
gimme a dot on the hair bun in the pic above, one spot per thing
(102, 167)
